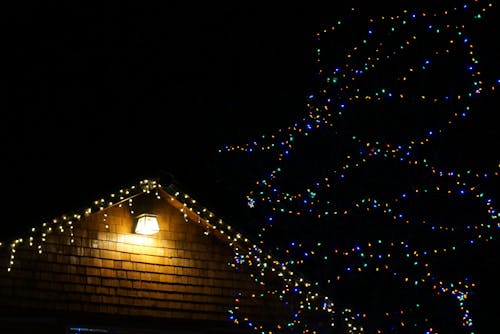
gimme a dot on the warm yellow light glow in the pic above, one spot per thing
(147, 224)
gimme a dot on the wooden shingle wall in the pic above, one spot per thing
(101, 267)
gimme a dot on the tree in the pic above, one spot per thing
(379, 193)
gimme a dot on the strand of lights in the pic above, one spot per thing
(65, 223)
(365, 78)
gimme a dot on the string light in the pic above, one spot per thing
(384, 74)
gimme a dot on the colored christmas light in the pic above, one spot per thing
(413, 78)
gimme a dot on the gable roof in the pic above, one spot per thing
(273, 277)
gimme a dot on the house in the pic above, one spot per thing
(97, 271)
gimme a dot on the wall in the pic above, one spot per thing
(100, 268)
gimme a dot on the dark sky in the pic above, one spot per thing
(98, 95)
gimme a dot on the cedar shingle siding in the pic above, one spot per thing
(100, 275)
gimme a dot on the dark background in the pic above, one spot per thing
(99, 95)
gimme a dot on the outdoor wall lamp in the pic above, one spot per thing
(147, 224)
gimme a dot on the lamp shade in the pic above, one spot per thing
(147, 224)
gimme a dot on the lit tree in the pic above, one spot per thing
(369, 193)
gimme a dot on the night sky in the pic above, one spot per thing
(98, 96)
